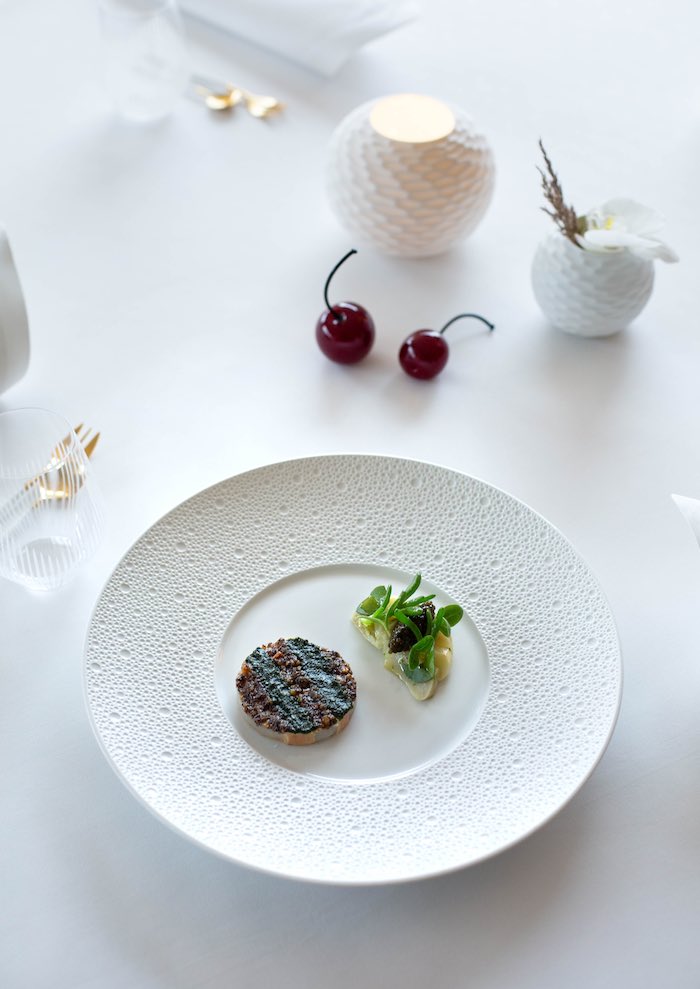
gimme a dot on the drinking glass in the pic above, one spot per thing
(50, 506)
(145, 58)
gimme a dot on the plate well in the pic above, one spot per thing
(390, 733)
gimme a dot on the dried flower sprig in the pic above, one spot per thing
(619, 224)
(564, 216)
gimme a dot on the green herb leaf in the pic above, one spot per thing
(421, 600)
(409, 623)
(414, 607)
(418, 675)
(379, 609)
(404, 596)
(412, 588)
(423, 654)
(453, 613)
(374, 607)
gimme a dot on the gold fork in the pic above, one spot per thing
(89, 445)
(66, 481)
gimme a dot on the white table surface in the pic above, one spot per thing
(173, 277)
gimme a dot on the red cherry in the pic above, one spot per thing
(424, 353)
(345, 331)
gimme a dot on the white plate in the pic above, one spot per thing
(407, 790)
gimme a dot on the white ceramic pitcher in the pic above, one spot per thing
(14, 325)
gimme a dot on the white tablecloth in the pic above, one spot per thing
(173, 277)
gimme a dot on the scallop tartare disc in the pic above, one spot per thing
(296, 692)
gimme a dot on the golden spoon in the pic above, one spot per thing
(260, 106)
(256, 105)
(220, 101)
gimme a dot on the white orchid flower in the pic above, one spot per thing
(623, 223)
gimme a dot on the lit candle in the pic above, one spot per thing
(412, 119)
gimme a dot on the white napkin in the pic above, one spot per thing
(320, 34)
(690, 509)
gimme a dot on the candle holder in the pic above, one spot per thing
(409, 175)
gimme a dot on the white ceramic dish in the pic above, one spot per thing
(407, 790)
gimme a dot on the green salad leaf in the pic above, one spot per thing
(378, 607)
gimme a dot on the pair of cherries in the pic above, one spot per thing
(345, 334)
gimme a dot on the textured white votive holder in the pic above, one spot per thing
(409, 175)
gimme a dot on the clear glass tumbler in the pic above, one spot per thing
(50, 508)
(144, 56)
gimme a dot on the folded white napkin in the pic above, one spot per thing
(320, 34)
(690, 508)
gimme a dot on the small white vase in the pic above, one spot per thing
(587, 293)
(14, 326)
(409, 175)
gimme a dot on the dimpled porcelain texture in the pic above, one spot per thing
(552, 647)
(586, 293)
(409, 200)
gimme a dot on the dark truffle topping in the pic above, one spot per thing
(402, 638)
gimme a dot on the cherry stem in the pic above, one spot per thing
(337, 314)
(468, 315)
